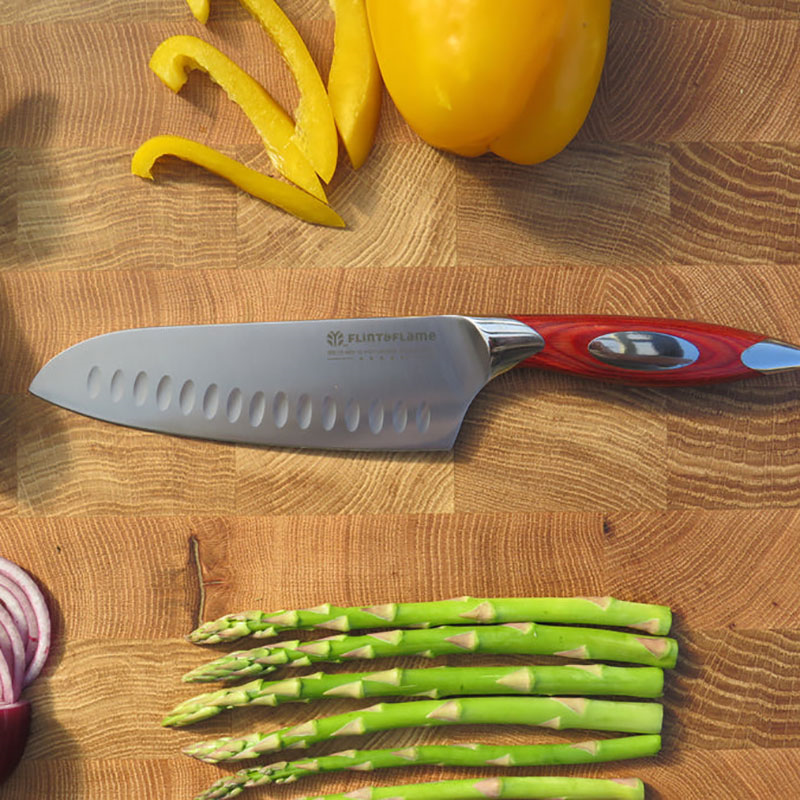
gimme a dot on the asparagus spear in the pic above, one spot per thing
(609, 611)
(514, 638)
(503, 789)
(469, 755)
(435, 682)
(556, 712)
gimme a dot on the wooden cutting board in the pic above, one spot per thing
(680, 197)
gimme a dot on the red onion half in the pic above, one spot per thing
(24, 646)
(40, 635)
(27, 610)
(14, 653)
(7, 687)
(15, 723)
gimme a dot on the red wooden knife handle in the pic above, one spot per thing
(628, 351)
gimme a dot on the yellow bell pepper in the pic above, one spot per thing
(176, 56)
(560, 103)
(354, 80)
(200, 9)
(513, 76)
(273, 191)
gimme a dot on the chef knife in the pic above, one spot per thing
(399, 383)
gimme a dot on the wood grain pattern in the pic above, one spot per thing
(616, 195)
(679, 198)
(729, 85)
(63, 200)
(745, 557)
(735, 202)
(744, 742)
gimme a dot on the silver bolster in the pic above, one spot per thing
(771, 356)
(643, 350)
(509, 341)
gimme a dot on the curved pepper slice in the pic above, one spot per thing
(273, 191)
(199, 9)
(316, 130)
(564, 92)
(176, 56)
(354, 81)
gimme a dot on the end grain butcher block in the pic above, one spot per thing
(679, 198)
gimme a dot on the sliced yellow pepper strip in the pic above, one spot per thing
(564, 92)
(273, 191)
(354, 81)
(316, 130)
(199, 9)
(175, 57)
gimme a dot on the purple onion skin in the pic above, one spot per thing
(36, 660)
(15, 724)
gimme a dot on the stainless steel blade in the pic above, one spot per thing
(363, 384)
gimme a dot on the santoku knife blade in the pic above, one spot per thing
(401, 383)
